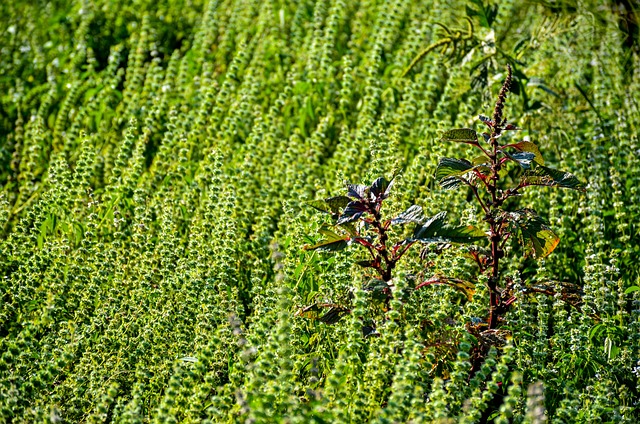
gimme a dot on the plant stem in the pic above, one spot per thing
(496, 201)
(390, 263)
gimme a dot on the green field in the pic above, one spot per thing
(157, 161)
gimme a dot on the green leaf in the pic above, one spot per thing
(539, 82)
(632, 289)
(543, 176)
(448, 167)
(467, 287)
(331, 242)
(451, 182)
(450, 171)
(333, 315)
(331, 205)
(461, 135)
(534, 234)
(523, 159)
(366, 264)
(413, 214)
(436, 230)
(527, 146)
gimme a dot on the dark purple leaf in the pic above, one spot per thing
(357, 191)
(352, 212)
(380, 188)
(487, 121)
(369, 331)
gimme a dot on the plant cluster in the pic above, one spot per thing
(156, 158)
(485, 177)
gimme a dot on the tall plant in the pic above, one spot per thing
(487, 174)
(357, 217)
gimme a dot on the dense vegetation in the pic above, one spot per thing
(157, 161)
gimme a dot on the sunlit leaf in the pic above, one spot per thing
(436, 230)
(331, 242)
(413, 214)
(523, 159)
(534, 234)
(331, 205)
(467, 287)
(333, 315)
(527, 146)
(461, 135)
(449, 171)
(541, 175)
(451, 182)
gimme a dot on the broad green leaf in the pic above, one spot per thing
(413, 214)
(527, 146)
(436, 230)
(334, 315)
(480, 161)
(451, 182)
(541, 175)
(366, 264)
(378, 289)
(464, 286)
(450, 171)
(461, 135)
(331, 205)
(432, 225)
(331, 242)
(523, 159)
(534, 234)
(448, 167)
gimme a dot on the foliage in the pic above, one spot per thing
(156, 159)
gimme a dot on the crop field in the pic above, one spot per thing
(164, 167)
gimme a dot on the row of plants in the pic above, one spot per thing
(162, 164)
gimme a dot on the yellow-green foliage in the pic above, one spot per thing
(155, 157)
